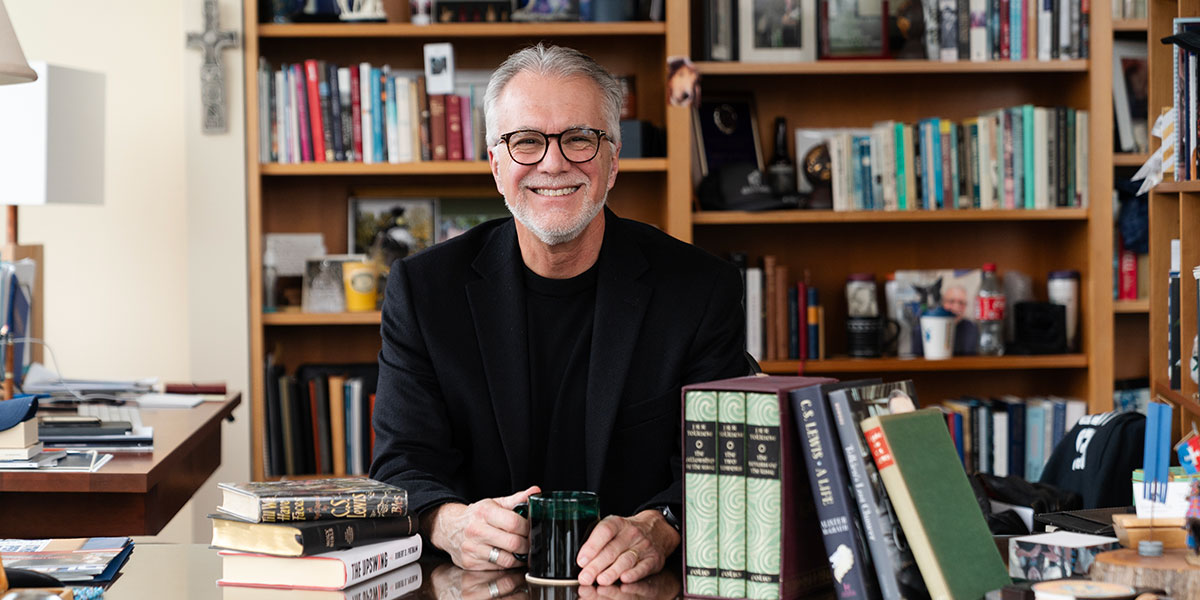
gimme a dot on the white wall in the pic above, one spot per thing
(152, 283)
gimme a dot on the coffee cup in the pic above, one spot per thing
(359, 279)
(866, 337)
(937, 334)
(559, 524)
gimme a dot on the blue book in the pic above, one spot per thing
(814, 326)
(1035, 445)
(1016, 434)
(829, 482)
(1059, 422)
(935, 134)
(377, 144)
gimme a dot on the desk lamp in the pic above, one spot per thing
(51, 146)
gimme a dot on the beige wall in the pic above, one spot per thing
(152, 283)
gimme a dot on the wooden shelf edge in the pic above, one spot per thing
(1130, 159)
(869, 216)
(1177, 186)
(898, 365)
(449, 167)
(1129, 24)
(1141, 305)
(291, 318)
(1177, 398)
(890, 67)
(440, 30)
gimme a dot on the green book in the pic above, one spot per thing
(764, 493)
(731, 493)
(935, 505)
(700, 492)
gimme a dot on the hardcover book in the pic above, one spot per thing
(731, 493)
(829, 483)
(332, 571)
(783, 556)
(700, 492)
(393, 584)
(895, 568)
(306, 538)
(312, 499)
(935, 505)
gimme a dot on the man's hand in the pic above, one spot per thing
(654, 587)
(453, 583)
(470, 533)
(626, 549)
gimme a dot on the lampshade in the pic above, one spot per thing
(13, 68)
(52, 146)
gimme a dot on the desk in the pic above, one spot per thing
(190, 572)
(136, 493)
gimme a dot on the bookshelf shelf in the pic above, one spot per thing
(901, 365)
(457, 30)
(892, 67)
(914, 216)
(295, 317)
(1141, 305)
(1130, 25)
(1129, 159)
(448, 167)
(1168, 187)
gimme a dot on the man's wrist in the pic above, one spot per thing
(670, 516)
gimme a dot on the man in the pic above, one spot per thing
(966, 332)
(547, 351)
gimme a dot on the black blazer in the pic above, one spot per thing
(452, 411)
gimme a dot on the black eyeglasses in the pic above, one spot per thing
(577, 145)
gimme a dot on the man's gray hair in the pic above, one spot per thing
(560, 62)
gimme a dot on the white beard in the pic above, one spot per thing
(553, 236)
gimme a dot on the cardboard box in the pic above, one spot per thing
(1055, 555)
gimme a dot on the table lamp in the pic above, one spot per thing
(51, 146)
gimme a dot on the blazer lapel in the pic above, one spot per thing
(620, 305)
(497, 303)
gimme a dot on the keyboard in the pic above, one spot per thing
(107, 412)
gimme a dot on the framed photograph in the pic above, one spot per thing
(726, 129)
(1131, 78)
(855, 28)
(460, 214)
(323, 290)
(777, 30)
(390, 228)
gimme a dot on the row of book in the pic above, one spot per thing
(1010, 435)
(319, 418)
(1129, 9)
(784, 319)
(336, 538)
(779, 468)
(1185, 69)
(318, 111)
(982, 30)
(1021, 157)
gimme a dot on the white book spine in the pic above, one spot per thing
(754, 322)
(368, 123)
(343, 74)
(978, 34)
(1000, 443)
(404, 125)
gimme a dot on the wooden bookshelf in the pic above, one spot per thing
(906, 365)
(734, 217)
(457, 30)
(1139, 306)
(1130, 25)
(474, 167)
(892, 67)
(1130, 159)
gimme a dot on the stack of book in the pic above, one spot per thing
(73, 561)
(778, 468)
(343, 535)
(20, 448)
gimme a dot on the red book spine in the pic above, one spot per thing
(316, 426)
(306, 154)
(1129, 287)
(802, 318)
(1004, 32)
(314, 110)
(437, 125)
(454, 127)
(356, 112)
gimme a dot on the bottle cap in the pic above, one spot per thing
(989, 267)
(1064, 274)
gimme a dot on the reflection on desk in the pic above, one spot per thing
(190, 571)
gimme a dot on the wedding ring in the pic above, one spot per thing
(493, 589)
(636, 557)
(494, 555)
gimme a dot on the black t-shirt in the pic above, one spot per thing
(560, 313)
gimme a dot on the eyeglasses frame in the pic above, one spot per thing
(600, 136)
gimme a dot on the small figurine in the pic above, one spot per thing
(1191, 523)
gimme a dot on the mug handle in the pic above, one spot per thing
(523, 510)
(893, 326)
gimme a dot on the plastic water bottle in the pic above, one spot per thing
(989, 311)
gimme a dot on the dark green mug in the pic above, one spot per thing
(559, 524)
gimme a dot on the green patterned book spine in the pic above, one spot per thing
(764, 496)
(700, 492)
(731, 493)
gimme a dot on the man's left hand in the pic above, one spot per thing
(626, 549)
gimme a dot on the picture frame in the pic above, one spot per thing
(461, 214)
(777, 30)
(1131, 71)
(726, 130)
(369, 221)
(322, 289)
(854, 29)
